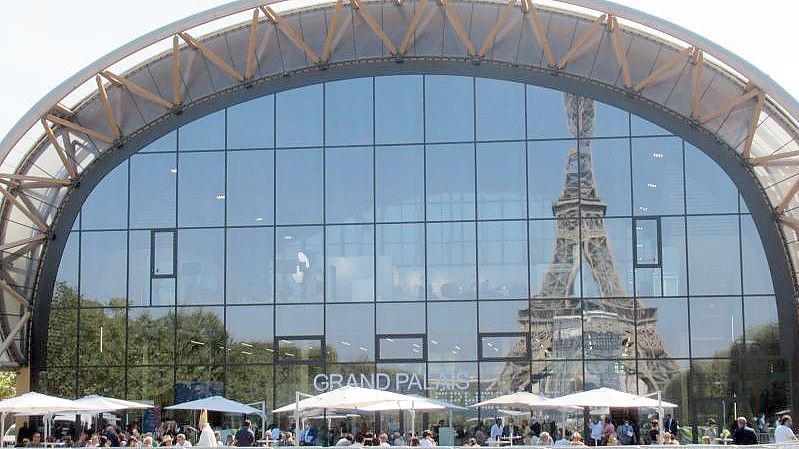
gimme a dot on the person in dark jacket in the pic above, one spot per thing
(245, 437)
(744, 434)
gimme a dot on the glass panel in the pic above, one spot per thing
(673, 387)
(401, 348)
(140, 275)
(299, 117)
(554, 274)
(348, 112)
(714, 383)
(240, 387)
(401, 318)
(107, 205)
(299, 320)
(164, 253)
(675, 278)
(108, 381)
(400, 262)
(556, 329)
(710, 240)
(152, 190)
(299, 264)
(151, 336)
(68, 267)
(294, 378)
(62, 333)
(399, 109)
(610, 121)
(647, 242)
(299, 186)
(154, 383)
(617, 374)
(546, 114)
(769, 381)
(498, 378)
(502, 263)
(448, 338)
(201, 189)
(450, 182)
(755, 268)
(658, 176)
(608, 329)
(399, 183)
(504, 316)
(299, 349)
(611, 175)
(557, 378)
(251, 124)
(449, 108)
(198, 382)
(762, 326)
(250, 256)
(168, 142)
(103, 268)
(348, 185)
(503, 346)
(500, 109)
(545, 181)
(200, 336)
(101, 336)
(501, 180)
(715, 326)
(250, 188)
(205, 133)
(349, 261)
(641, 127)
(350, 333)
(250, 331)
(708, 189)
(662, 323)
(201, 274)
(59, 382)
(451, 261)
(455, 383)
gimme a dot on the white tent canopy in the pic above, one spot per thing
(608, 397)
(345, 398)
(102, 404)
(217, 404)
(521, 399)
(40, 404)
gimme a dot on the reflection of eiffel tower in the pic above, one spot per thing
(601, 329)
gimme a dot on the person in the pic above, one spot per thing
(147, 441)
(180, 441)
(743, 434)
(396, 439)
(345, 440)
(36, 440)
(596, 432)
(383, 438)
(166, 441)
(496, 430)
(25, 432)
(577, 439)
(414, 441)
(111, 435)
(711, 430)
(218, 438)
(612, 440)
(472, 442)
(761, 423)
(245, 437)
(654, 432)
(275, 432)
(669, 439)
(671, 425)
(626, 433)
(309, 437)
(607, 430)
(230, 441)
(783, 432)
(564, 439)
(706, 439)
(427, 439)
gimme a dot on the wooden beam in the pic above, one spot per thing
(729, 106)
(251, 41)
(212, 56)
(415, 20)
(107, 109)
(664, 68)
(290, 33)
(618, 49)
(773, 157)
(13, 333)
(540, 34)
(788, 197)
(137, 89)
(363, 10)
(80, 129)
(22, 196)
(25, 241)
(21, 252)
(177, 83)
(457, 25)
(34, 217)
(14, 294)
(501, 20)
(581, 41)
(750, 134)
(68, 163)
(63, 110)
(790, 222)
(18, 177)
(698, 60)
(331, 31)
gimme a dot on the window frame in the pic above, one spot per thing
(153, 233)
(523, 335)
(423, 354)
(659, 240)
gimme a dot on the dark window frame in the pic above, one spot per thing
(423, 354)
(278, 360)
(522, 335)
(173, 274)
(659, 263)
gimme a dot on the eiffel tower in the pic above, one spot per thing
(562, 330)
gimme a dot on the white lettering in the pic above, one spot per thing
(463, 381)
(336, 381)
(415, 382)
(366, 382)
(382, 381)
(402, 381)
(320, 382)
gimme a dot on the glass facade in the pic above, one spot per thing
(451, 236)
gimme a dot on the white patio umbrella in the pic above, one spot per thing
(413, 405)
(608, 397)
(103, 404)
(37, 404)
(521, 399)
(218, 404)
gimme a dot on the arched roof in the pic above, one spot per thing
(181, 66)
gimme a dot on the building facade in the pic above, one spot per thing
(361, 195)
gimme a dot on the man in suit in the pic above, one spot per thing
(671, 426)
(744, 434)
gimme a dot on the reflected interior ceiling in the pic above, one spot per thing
(235, 46)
